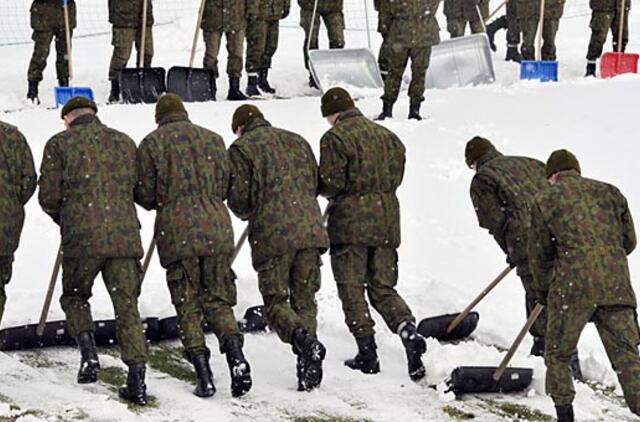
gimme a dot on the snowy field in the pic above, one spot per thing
(445, 258)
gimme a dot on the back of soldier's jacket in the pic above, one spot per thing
(128, 13)
(48, 15)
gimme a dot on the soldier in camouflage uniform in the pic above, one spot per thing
(382, 7)
(47, 22)
(581, 234)
(262, 42)
(528, 19)
(461, 12)
(86, 186)
(413, 30)
(605, 17)
(126, 18)
(502, 192)
(511, 24)
(274, 185)
(228, 18)
(361, 167)
(331, 12)
(183, 172)
(17, 184)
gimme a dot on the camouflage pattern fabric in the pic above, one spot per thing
(128, 13)
(334, 22)
(360, 186)
(263, 33)
(235, 48)
(581, 234)
(274, 185)
(229, 16)
(48, 15)
(5, 277)
(513, 28)
(288, 284)
(256, 45)
(383, 28)
(183, 173)
(529, 15)
(605, 18)
(123, 39)
(122, 278)
(87, 178)
(461, 12)
(203, 288)
(502, 192)
(324, 6)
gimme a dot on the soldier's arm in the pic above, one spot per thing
(241, 186)
(333, 167)
(51, 180)
(145, 191)
(541, 252)
(629, 241)
(27, 169)
(489, 209)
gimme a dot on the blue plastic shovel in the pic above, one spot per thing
(542, 70)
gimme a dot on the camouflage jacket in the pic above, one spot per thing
(274, 185)
(581, 234)
(87, 178)
(361, 166)
(463, 9)
(413, 22)
(128, 13)
(183, 173)
(382, 7)
(17, 184)
(48, 15)
(530, 9)
(228, 15)
(608, 5)
(273, 10)
(502, 192)
(324, 6)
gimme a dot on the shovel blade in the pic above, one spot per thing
(479, 379)
(65, 93)
(614, 64)
(142, 85)
(192, 85)
(436, 327)
(542, 70)
(355, 67)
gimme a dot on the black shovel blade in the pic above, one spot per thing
(192, 85)
(142, 85)
(479, 379)
(436, 327)
(254, 320)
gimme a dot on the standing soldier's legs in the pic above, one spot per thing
(600, 24)
(78, 276)
(398, 58)
(148, 46)
(305, 23)
(271, 44)
(235, 48)
(456, 26)
(615, 31)
(549, 36)
(256, 45)
(513, 32)
(335, 29)
(122, 41)
(484, 9)
(41, 47)
(304, 284)
(420, 57)
(212, 42)
(62, 63)
(620, 334)
(529, 27)
(5, 276)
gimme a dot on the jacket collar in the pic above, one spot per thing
(348, 114)
(84, 120)
(255, 123)
(489, 156)
(568, 174)
(179, 116)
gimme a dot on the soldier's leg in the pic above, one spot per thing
(212, 42)
(383, 57)
(41, 47)
(6, 263)
(271, 44)
(235, 50)
(305, 283)
(420, 57)
(148, 46)
(349, 265)
(600, 24)
(529, 27)
(256, 33)
(618, 329)
(335, 29)
(549, 36)
(513, 27)
(456, 26)
(122, 278)
(615, 30)
(62, 64)
(77, 280)
(398, 58)
(305, 23)
(382, 278)
(122, 41)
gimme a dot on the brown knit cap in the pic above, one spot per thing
(76, 103)
(243, 114)
(561, 160)
(336, 100)
(169, 104)
(477, 148)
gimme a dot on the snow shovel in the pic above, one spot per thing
(189, 83)
(49, 296)
(65, 93)
(616, 63)
(461, 61)
(142, 84)
(355, 67)
(542, 70)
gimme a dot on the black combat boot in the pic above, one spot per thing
(252, 87)
(114, 96)
(312, 83)
(415, 347)
(366, 360)
(493, 27)
(538, 347)
(263, 82)
(89, 363)
(310, 354)
(135, 390)
(234, 90)
(32, 92)
(204, 375)
(565, 413)
(387, 112)
(414, 110)
(591, 69)
(63, 82)
(513, 55)
(239, 368)
(576, 370)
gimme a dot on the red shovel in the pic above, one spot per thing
(616, 63)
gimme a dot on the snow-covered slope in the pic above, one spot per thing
(445, 258)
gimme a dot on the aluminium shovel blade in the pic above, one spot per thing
(479, 379)
(192, 85)
(142, 85)
(356, 67)
(614, 64)
(436, 327)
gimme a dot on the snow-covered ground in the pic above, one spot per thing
(445, 259)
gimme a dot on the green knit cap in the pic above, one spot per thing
(477, 148)
(243, 114)
(561, 160)
(336, 100)
(76, 103)
(169, 104)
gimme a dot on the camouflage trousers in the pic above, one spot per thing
(122, 279)
(529, 28)
(334, 22)
(262, 43)
(398, 58)
(235, 49)
(456, 24)
(383, 55)
(601, 24)
(5, 277)
(41, 47)
(619, 332)
(539, 328)
(203, 288)
(513, 28)
(288, 285)
(357, 269)
(123, 40)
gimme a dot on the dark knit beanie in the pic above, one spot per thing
(561, 160)
(336, 100)
(169, 104)
(477, 148)
(243, 114)
(76, 103)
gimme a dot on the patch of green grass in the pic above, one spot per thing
(517, 412)
(326, 418)
(38, 360)
(171, 362)
(457, 414)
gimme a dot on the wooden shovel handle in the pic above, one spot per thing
(514, 347)
(621, 16)
(143, 35)
(540, 30)
(49, 296)
(197, 33)
(67, 30)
